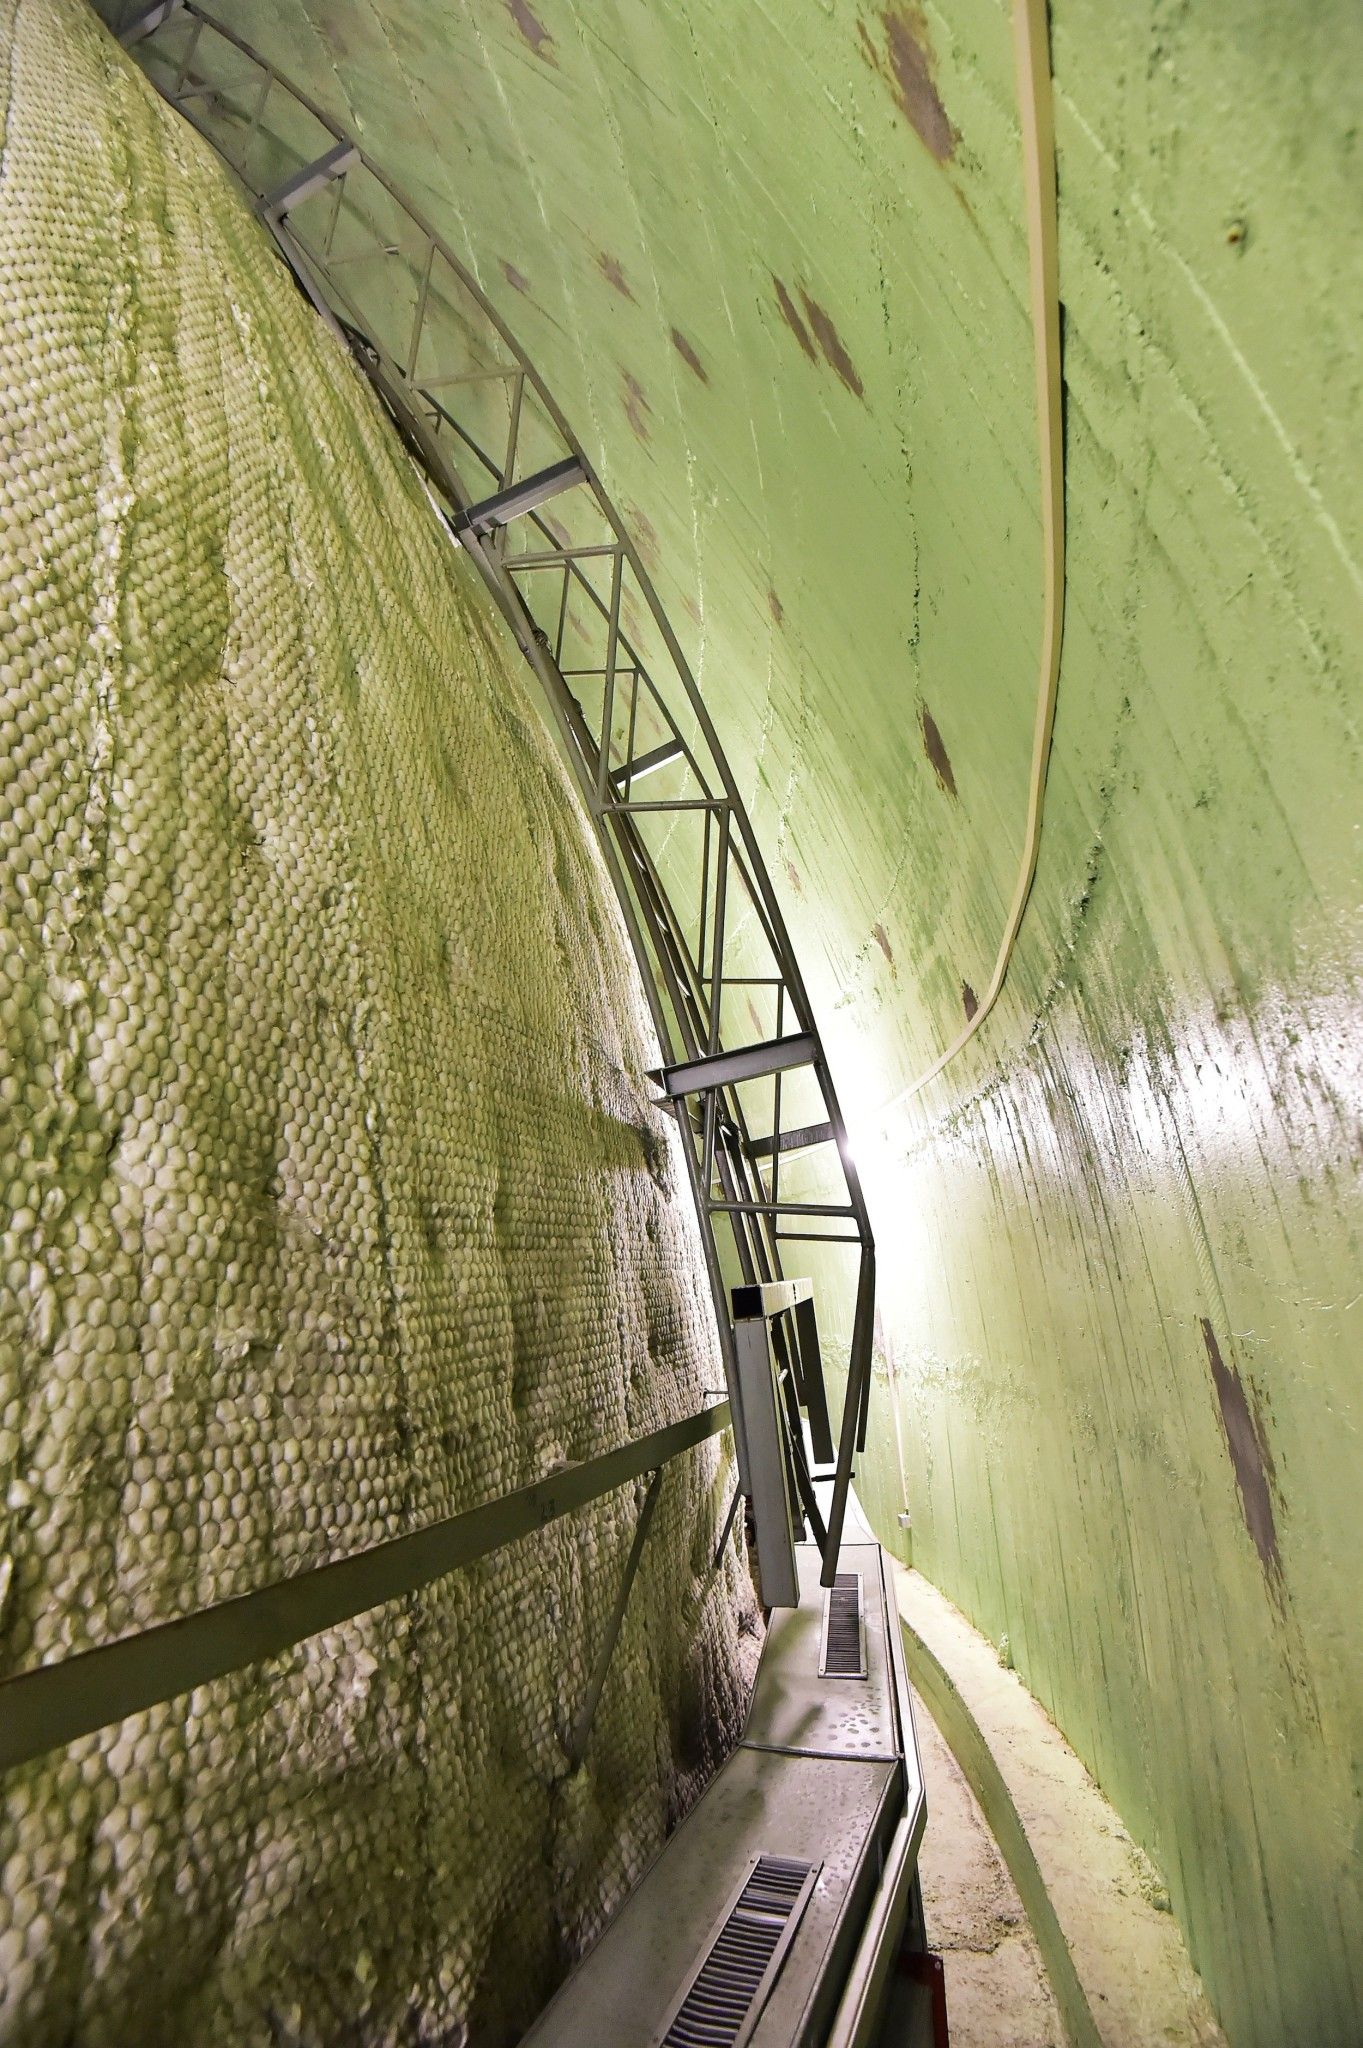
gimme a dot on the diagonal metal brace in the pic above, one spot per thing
(582, 1727)
(728, 1528)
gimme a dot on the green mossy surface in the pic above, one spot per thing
(333, 1198)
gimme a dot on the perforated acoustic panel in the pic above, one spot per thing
(332, 1197)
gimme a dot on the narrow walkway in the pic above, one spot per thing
(997, 1993)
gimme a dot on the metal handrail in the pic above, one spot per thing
(305, 201)
(55, 1703)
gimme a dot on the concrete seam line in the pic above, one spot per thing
(47, 1708)
(1037, 111)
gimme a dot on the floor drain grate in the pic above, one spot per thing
(724, 1995)
(842, 1653)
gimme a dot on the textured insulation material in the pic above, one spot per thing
(332, 1197)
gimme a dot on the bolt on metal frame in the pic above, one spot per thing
(749, 1087)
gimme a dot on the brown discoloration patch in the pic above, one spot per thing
(907, 66)
(610, 269)
(689, 356)
(935, 750)
(753, 1017)
(793, 877)
(831, 342)
(637, 407)
(790, 314)
(530, 26)
(644, 535)
(515, 278)
(1251, 1460)
(882, 939)
(970, 1002)
(775, 607)
(692, 610)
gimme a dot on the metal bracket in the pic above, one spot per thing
(582, 1727)
(768, 1465)
(518, 499)
(313, 178)
(649, 763)
(729, 1069)
(801, 1140)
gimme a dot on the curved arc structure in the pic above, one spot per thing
(334, 215)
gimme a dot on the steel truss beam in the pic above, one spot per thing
(698, 904)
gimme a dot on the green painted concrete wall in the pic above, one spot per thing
(773, 261)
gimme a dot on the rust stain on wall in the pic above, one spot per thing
(611, 270)
(935, 749)
(882, 939)
(1250, 1456)
(689, 356)
(644, 534)
(907, 65)
(637, 407)
(693, 610)
(790, 314)
(831, 342)
(793, 877)
(531, 27)
(775, 607)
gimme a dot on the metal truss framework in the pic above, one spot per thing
(743, 1068)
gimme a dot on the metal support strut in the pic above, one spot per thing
(582, 1727)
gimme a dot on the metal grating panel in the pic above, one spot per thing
(720, 2004)
(842, 1653)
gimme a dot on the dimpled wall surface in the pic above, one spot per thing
(333, 1198)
